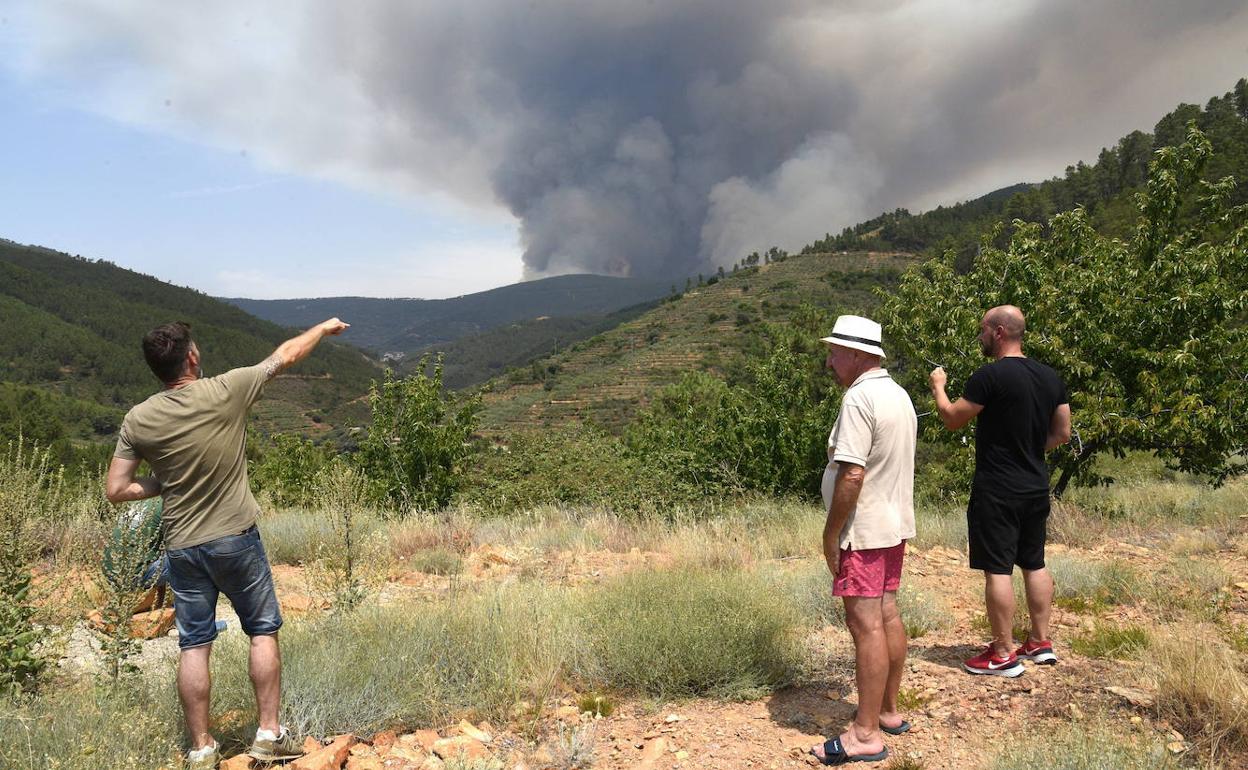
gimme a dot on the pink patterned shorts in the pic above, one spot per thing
(870, 572)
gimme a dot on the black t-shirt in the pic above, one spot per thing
(1019, 396)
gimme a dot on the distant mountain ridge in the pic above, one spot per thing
(412, 325)
(73, 327)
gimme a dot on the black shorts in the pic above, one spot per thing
(1004, 530)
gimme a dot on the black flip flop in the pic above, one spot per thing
(834, 754)
(898, 730)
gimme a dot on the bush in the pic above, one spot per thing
(31, 497)
(287, 470)
(418, 440)
(689, 633)
(572, 464)
(766, 434)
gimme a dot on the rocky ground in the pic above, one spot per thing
(958, 720)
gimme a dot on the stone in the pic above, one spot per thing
(424, 738)
(370, 762)
(472, 731)
(384, 740)
(461, 747)
(682, 755)
(330, 757)
(654, 749)
(151, 624)
(1176, 747)
(670, 718)
(311, 744)
(432, 763)
(1132, 695)
(240, 762)
(410, 754)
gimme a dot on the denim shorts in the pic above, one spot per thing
(234, 565)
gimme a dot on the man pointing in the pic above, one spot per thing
(193, 434)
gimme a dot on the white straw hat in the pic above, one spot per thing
(854, 331)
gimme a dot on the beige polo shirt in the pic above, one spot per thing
(876, 429)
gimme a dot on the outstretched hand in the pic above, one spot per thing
(333, 326)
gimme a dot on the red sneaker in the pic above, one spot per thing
(988, 662)
(1037, 652)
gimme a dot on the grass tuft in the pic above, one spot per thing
(1203, 692)
(1106, 641)
(1082, 747)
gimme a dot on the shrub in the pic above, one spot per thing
(691, 633)
(31, 495)
(418, 440)
(573, 464)
(766, 434)
(287, 470)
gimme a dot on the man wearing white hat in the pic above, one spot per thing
(868, 492)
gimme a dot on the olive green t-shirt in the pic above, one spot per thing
(195, 438)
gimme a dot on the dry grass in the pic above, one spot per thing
(1202, 689)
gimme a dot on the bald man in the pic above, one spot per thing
(1022, 412)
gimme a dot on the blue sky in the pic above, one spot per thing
(218, 221)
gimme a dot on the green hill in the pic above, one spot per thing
(611, 376)
(70, 362)
(410, 326)
(472, 360)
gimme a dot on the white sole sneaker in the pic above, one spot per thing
(1010, 671)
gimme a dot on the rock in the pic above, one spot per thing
(1176, 747)
(461, 747)
(423, 738)
(682, 755)
(1242, 586)
(467, 728)
(151, 625)
(653, 750)
(670, 718)
(1133, 696)
(329, 757)
(384, 740)
(240, 762)
(411, 754)
(370, 762)
(432, 763)
(362, 750)
(311, 744)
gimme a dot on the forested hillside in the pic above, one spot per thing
(410, 326)
(1104, 187)
(70, 361)
(713, 327)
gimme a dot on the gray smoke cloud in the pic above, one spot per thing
(644, 138)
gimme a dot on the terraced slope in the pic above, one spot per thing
(611, 376)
